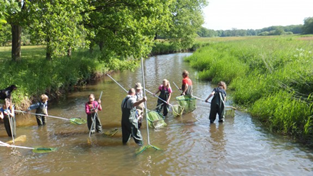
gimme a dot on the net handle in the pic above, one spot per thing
(158, 97)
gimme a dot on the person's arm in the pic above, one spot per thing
(99, 105)
(33, 106)
(141, 101)
(1, 115)
(185, 89)
(213, 92)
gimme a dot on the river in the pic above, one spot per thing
(190, 144)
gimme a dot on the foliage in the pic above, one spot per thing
(58, 23)
(186, 20)
(271, 75)
(34, 75)
(5, 34)
(308, 25)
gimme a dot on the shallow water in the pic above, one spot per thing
(190, 145)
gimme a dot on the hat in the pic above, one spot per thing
(138, 86)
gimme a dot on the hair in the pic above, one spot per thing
(167, 83)
(7, 102)
(185, 73)
(44, 97)
(222, 84)
(131, 91)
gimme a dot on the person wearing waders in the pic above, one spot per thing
(8, 116)
(91, 109)
(186, 84)
(165, 94)
(41, 109)
(129, 119)
(141, 106)
(218, 102)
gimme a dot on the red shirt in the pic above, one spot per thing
(187, 80)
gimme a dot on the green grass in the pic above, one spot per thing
(271, 76)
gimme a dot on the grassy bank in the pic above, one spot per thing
(35, 75)
(271, 76)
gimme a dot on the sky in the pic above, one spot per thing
(255, 14)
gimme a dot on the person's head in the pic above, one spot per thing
(44, 97)
(7, 103)
(185, 74)
(91, 97)
(138, 87)
(222, 84)
(131, 91)
(166, 83)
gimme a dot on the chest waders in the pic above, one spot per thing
(130, 124)
(96, 124)
(217, 107)
(42, 109)
(164, 96)
(10, 125)
(139, 111)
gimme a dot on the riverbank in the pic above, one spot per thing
(271, 76)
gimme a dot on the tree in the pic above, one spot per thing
(308, 26)
(186, 20)
(126, 28)
(58, 23)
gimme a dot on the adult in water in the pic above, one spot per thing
(186, 84)
(218, 102)
(129, 119)
(165, 94)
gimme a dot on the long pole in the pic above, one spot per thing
(117, 83)
(144, 94)
(62, 118)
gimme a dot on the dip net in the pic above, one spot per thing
(187, 103)
(155, 120)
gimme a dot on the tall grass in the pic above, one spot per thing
(272, 76)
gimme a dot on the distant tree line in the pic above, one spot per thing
(306, 28)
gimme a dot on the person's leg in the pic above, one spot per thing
(125, 133)
(89, 122)
(7, 125)
(221, 114)
(98, 124)
(213, 113)
(39, 121)
(135, 132)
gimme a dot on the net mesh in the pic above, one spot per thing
(177, 110)
(187, 103)
(155, 120)
(78, 121)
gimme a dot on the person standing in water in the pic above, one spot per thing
(8, 116)
(91, 108)
(186, 84)
(218, 102)
(165, 94)
(140, 107)
(129, 120)
(41, 109)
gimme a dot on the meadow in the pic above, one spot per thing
(271, 77)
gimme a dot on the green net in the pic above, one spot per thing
(78, 121)
(187, 103)
(177, 110)
(44, 150)
(155, 120)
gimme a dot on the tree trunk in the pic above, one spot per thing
(101, 45)
(48, 50)
(16, 42)
(69, 52)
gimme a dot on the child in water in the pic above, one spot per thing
(218, 102)
(41, 109)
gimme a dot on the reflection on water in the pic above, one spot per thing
(190, 144)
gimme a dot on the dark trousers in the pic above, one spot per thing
(96, 124)
(161, 105)
(10, 125)
(41, 120)
(216, 109)
(131, 130)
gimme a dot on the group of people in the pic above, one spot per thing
(132, 108)
(132, 105)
